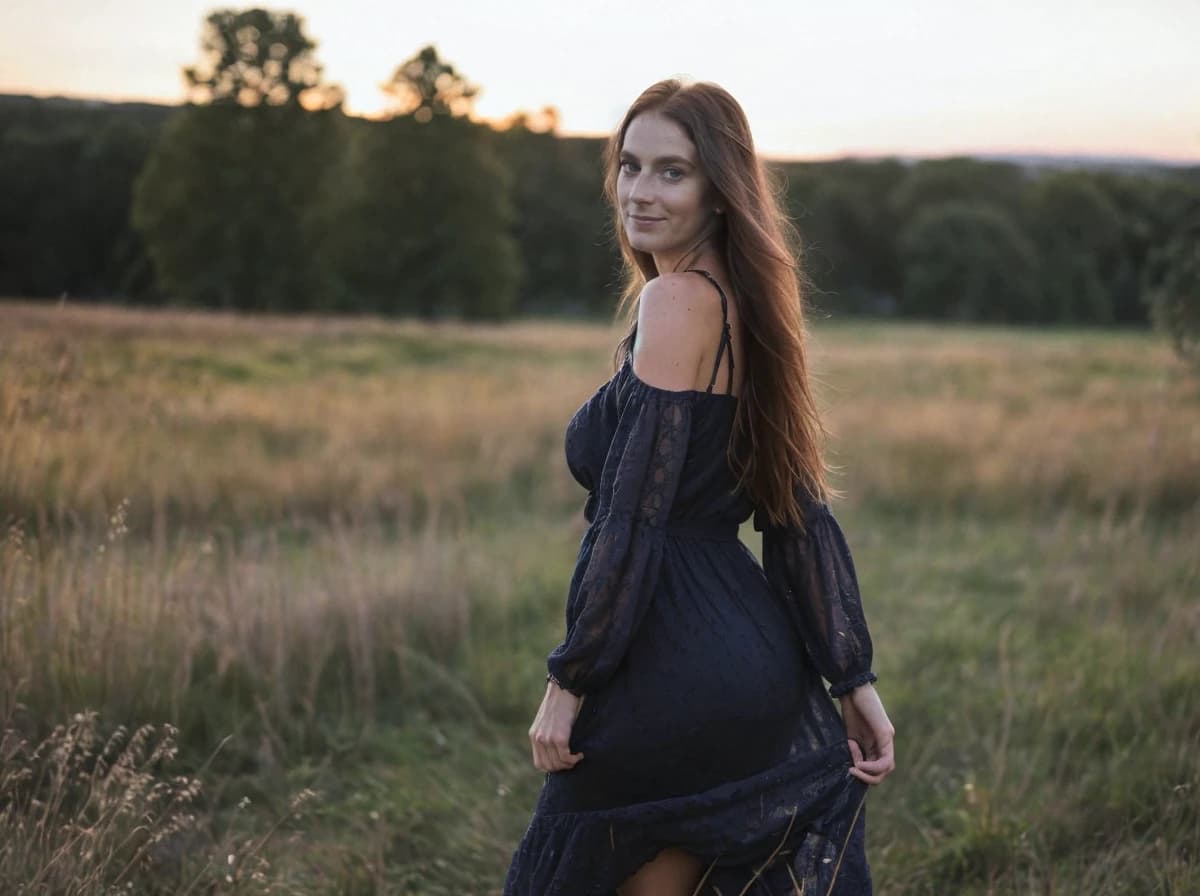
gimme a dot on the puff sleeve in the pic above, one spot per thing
(614, 579)
(813, 573)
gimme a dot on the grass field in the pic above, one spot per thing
(276, 596)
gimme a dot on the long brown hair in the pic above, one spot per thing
(777, 444)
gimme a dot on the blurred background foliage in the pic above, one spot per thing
(260, 193)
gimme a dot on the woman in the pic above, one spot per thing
(689, 742)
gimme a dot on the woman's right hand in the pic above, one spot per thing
(871, 735)
(550, 733)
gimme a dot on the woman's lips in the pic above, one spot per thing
(645, 222)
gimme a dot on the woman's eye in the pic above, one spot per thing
(670, 173)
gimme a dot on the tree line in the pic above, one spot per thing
(261, 193)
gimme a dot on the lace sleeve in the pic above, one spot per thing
(637, 489)
(813, 573)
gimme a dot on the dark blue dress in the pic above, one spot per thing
(705, 722)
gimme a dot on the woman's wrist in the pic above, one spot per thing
(850, 685)
(550, 679)
(858, 692)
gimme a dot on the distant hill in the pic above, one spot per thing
(49, 112)
(1041, 161)
(1127, 164)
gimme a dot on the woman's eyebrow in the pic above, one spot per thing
(660, 160)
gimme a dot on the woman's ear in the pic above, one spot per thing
(716, 201)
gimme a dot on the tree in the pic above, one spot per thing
(967, 261)
(849, 238)
(256, 57)
(848, 230)
(226, 199)
(1078, 232)
(561, 220)
(960, 179)
(544, 121)
(1172, 291)
(419, 216)
(64, 224)
(419, 220)
(225, 205)
(1151, 208)
(426, 87)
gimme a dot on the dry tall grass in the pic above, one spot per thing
(207, 421)
(82, 813)
(317, 536)
(211, 419)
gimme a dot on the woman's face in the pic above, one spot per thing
(662, 193)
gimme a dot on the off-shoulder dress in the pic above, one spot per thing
(706, 724)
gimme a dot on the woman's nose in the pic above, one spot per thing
(641, 191)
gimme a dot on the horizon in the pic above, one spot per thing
(1015, 153)
(1058, 79)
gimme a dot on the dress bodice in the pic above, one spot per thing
(707, 485)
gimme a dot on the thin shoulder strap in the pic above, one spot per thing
(726, 336)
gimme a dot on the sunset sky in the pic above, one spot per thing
(925, 77)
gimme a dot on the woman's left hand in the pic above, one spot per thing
(550, 734)
(871, 735)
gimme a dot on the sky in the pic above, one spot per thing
(816, 79)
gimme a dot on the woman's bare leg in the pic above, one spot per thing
(673, 872)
